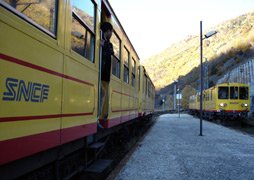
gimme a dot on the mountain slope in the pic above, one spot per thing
(233, 40)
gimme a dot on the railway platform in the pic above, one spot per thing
(173, 149)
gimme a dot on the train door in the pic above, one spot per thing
(103, 87)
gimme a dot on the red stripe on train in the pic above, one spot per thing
(26, 118)
(17, 148)
(116, 121)
(40, 68)
(223, 110)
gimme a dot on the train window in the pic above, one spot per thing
(83, 30)
(146, 86)
(233, 92)
(243, 92)
(133, 71)
(138, 79)
(40, 13)
(126, 60)
(149, 89)
(86, 11)
(116, 44)
(116, 58)
(223, 93)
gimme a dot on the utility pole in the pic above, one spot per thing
(175, 84)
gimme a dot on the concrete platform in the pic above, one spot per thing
(174, 150)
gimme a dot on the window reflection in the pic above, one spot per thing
(116, 58)
(223, 93)
(243, 92)
(42, 12)
(126, 55)
(86, 11)
(83, 26)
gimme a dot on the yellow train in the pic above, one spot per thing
(228, 100)
(50, 67)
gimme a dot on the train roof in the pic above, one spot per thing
(232, 84)
(227, 84)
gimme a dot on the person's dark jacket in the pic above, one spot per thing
(107, 52)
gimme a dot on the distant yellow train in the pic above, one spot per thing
(228, 100)
(49, 84)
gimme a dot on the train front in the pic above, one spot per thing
(233, 100)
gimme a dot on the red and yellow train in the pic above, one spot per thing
(49, 84)
(228, 100)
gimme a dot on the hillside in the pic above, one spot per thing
(233, 43)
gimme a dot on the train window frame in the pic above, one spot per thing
(246, 96)
(126, 63)
(90, 35)
(34, 23)
(139, 78)
(144, 84)
(235, 94)
(221, 93)
(149, 88)
(116, 60)
(133, 72)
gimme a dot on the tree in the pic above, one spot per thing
(186, 93)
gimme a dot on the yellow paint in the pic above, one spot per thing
(10, 130)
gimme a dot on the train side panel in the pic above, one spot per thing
(80, 85)
(31, 83)
(79, 100)
(48, 91)
(146, 94)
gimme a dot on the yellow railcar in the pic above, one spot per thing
(228, 100)
(50, 85)
(146, 93)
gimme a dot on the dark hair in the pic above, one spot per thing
(106, 26)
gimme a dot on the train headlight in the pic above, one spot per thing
(245, 105)
(223, 104)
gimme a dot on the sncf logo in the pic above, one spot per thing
(19, 90)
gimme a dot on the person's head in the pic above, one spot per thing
(107, 30)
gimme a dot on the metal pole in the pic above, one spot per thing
(174, 96)
(179, 106)
(201, 77)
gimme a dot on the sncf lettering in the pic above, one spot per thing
(19, 90)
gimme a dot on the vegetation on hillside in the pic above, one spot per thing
(229, 47)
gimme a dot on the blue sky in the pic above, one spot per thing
(152, 26)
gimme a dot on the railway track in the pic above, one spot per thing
(244, 126)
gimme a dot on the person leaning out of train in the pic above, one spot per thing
(107, 52)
